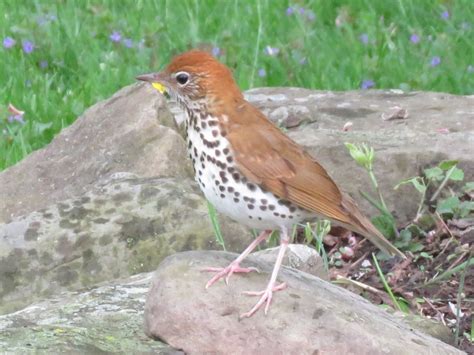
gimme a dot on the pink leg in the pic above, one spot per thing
(234, 267)
(267, 294)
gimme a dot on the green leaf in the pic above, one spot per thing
(457, 175)
(403, 304)
(469, 186)
(405, 235)
(39, 127)
(434, 173)
(425, 255)
(416, 181)
(385, 225)
(414, 247)
(465, 208)
(448, 205)
(447, 164)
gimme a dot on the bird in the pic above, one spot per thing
(248, 168)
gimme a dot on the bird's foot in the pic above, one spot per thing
(266, 298)
(226, 272)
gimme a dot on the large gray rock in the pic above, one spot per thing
(130, 132)
(119, 228)
(311, 316)
(108, 319)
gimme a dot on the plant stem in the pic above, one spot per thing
(441, 186)
(421, 205)
(372, 201)
(215, 225)
(385, 283)
(377, 189)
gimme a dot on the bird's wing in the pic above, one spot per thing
(268, 157)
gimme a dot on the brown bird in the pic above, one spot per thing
(247, 168)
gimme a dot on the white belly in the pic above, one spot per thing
(228, 190)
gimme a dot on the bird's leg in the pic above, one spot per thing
(267, 294)
(234, 267)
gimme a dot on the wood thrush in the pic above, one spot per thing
(248, 168)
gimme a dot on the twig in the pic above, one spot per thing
(443, 183)
(344, 280)
(444, 224)
(445, 247)
(434, 309)
(360, 260)
(457, 261)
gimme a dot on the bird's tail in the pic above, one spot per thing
(364, 226)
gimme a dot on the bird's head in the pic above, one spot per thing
(195, 77)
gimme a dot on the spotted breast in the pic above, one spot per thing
(225, 187)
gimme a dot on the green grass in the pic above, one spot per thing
(85, 66)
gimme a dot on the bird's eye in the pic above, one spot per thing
(182, 78)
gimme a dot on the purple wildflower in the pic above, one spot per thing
(289, 11)
(43, 64)
(216, 51)
(17, 118)
(262, 73)
(364, 38)
(367, 84)
(28, 46)
(115, 36)
(311, 16)
(303, 61)
(445, 15)
(8, 42)
(127, 42)
(414, 38)
(271, 51)
(435, 61)
(301, 10)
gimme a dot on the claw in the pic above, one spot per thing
(266, 298)
(227, 272)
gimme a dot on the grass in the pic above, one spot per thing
(75, 63)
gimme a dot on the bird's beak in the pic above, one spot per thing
(155, 81)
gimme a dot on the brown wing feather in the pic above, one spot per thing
(268, 157)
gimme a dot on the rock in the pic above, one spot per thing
(132, 132)
(438, 127)
(311, 316)
(107, 319)
(299, 257)
(429, 326)
(119, 228)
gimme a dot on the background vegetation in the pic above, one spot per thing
(59, 57)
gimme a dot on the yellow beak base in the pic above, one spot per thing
(160, 87)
